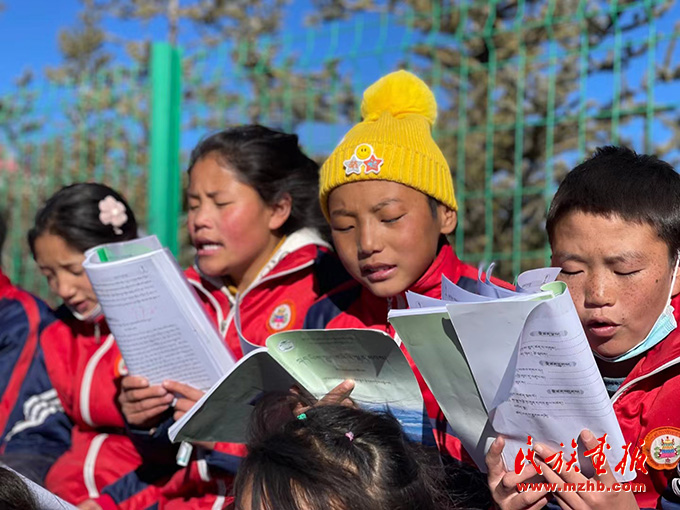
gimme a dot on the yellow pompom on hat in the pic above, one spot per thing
(393, 143)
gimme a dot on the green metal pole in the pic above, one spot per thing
(164, 178)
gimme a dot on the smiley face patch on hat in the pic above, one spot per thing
(662, 447)
(363, 160)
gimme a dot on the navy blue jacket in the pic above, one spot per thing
(35, 430)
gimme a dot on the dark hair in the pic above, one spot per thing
(72, 213)
(337, 458)
(273, 164)
(616, 181)
(434, 204)
(14, 493)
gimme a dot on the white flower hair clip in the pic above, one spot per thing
(112, 212)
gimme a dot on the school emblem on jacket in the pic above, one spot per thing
(363, 160)
(281, 317)
(662, 447)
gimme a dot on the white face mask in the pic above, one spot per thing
(90, 316)
(663, 326)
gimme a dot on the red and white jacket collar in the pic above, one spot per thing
(288, 258)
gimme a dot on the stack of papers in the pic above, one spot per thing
(515, 363)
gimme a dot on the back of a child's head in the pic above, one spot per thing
(272, 163)
(338, 458)
(85, 215)
(14, 493)
(616, 181)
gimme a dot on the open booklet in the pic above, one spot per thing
(518, 364)
(316, 361)
(161, 328)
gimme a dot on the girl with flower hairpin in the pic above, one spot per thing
(261, 262)
(82, 359)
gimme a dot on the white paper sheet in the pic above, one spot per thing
(532, 280)
(416, 300)
(486, 288)
(536, 372)
(432, 343)
(452, 292)
(159, 325)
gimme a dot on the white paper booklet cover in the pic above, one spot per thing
(316, 361)
(158, 322)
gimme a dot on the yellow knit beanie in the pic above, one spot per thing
(393, 143)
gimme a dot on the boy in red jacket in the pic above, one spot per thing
(614, 229)
(387, 193)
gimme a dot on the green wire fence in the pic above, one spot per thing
(526, 89)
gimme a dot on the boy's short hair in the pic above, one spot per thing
(617, 181)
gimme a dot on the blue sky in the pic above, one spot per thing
(28, 34)
(29, 38)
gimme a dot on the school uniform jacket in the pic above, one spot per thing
(302, 269)
(646, 406)
(35, 430)
(354, 306)
(84, 364)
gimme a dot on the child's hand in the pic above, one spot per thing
(189, 396)
(503, 484)
(89, 504)
(590, 500)
(337, 396)
(142, 404)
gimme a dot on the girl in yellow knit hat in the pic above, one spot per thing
(387, 192)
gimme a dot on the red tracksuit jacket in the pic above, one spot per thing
(84, 365)
(302, 269)
(646, 406)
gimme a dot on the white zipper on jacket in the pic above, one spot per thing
(663, 367)
(202, 465)
(221, 495)
(216, 305)
(89, 465)
(300, 239)
(86, 383)
(239, 297)
(224, 326)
